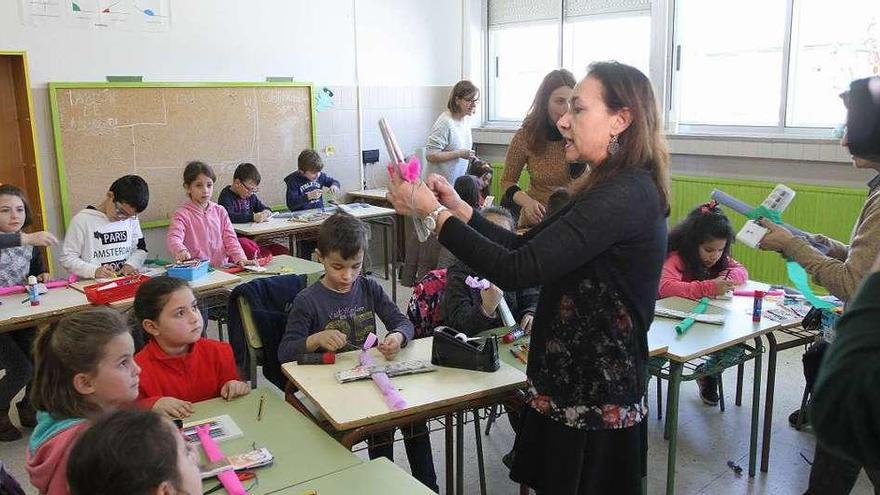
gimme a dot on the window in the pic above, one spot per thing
(771, 63)
(529, 38)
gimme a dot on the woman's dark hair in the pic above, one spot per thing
(152, 296)
(468, 189)
(10, 190)
(536, 123)
(462, 89)
(705, 223)
(131, 452)
(642, 144)
(194, 169)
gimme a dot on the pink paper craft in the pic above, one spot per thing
(21, 289)
(477, 283)
(751, 293)
(392, 397)
(228, 479)
(411, 170)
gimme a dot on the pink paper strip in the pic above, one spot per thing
(751, 293)
(392, 397)
(228, 479)
(21, 289)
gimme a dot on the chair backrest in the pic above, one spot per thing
(423, 309)
(247, 322)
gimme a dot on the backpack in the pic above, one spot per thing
(423, 309)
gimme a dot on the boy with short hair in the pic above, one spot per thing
(240, 198)
(304, 187)
(106, 240)
(336, 315)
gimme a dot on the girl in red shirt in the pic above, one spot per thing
(179, 365)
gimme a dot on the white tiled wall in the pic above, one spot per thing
(410, 111)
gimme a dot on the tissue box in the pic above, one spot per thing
(188, 272)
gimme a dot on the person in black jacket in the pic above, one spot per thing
(470, 310)
(598, 262)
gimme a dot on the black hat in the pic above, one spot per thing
(863, 117)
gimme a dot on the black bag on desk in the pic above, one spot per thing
(454, 350)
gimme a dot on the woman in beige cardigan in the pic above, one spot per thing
(537, 145)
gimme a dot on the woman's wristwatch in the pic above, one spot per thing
(431, 219)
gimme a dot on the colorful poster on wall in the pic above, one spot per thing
(117, 15)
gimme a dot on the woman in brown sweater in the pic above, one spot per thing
(537, 145)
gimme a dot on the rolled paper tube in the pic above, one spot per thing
(751, 293)
(390, 394)
(228, 479)
(685, 324)
(370, 341)
(745, 209)
(21, 289)
(506, 315)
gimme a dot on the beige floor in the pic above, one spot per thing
(707, 440)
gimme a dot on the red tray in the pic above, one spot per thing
(107, 292)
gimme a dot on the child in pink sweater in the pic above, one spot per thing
(200, 228)
(699, 265)
(699, 262)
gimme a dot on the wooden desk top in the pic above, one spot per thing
(350, 405)
(286, 264)
(377, 477)
(302, 450)
(704, 338)
(654, 348)
(377, 194)
(213, 280)
(284, 225)
(55, 303)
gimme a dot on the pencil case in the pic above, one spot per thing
(114, 290)
(188, 271)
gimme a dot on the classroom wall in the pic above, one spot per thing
(388, 57)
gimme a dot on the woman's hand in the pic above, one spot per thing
(448, 197)
(776, 238)
(491, 298)
(526, 323)
(41, 238)
(532, 213)
(467, 154)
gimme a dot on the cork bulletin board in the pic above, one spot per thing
(107, 130)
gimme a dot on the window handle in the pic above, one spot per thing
(496, 67)
(677, 58)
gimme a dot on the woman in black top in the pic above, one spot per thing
(598, 260)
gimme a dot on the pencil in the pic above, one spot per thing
(260, 409)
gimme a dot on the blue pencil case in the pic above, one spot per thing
(190, 270)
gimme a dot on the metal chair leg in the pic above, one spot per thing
(493, 415)
(479, 441)
(659, 398)
(721, 391)
(739, 384)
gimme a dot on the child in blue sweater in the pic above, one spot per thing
(305, 186)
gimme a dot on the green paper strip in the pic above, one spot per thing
(699, 309)
(801, 281)
(763, 212)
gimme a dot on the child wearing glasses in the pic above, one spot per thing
(106, 240)
(243, 206)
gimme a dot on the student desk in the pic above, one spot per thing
(53, 305)
(284, 227)
(703, 339)
(377, 477)
(356, 410)
(213, 285)
(285, 264)
(302, 450)
(377, 197)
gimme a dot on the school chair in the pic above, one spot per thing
(257, 320)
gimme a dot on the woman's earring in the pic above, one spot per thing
(613, 145)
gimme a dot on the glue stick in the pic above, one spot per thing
(756, 308)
